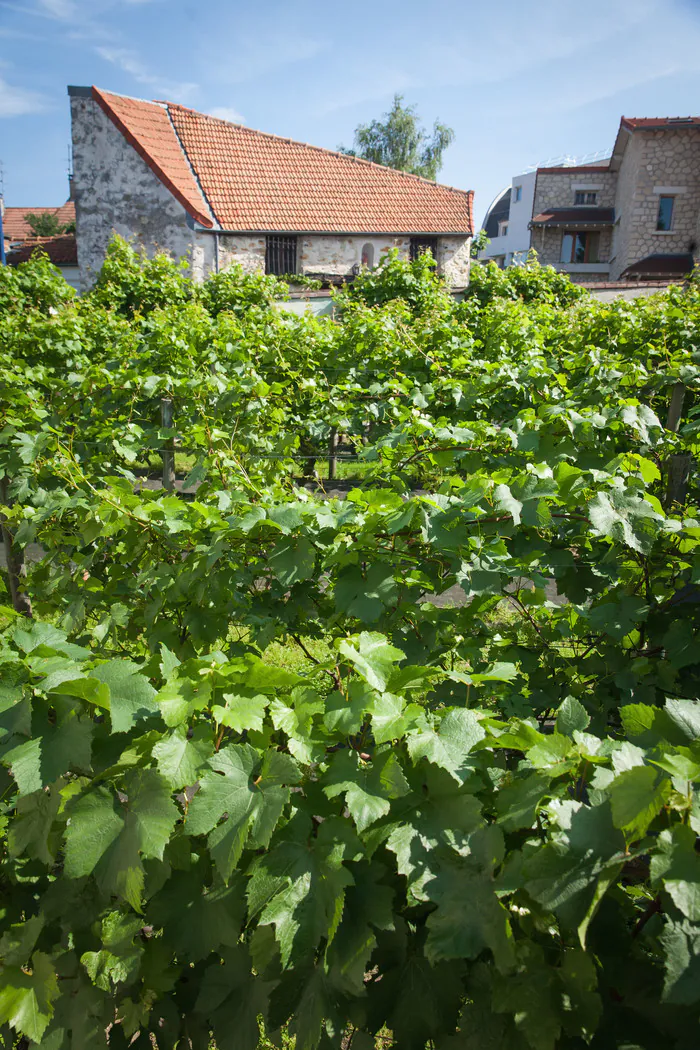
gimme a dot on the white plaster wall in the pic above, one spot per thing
(116, 192)
(516, 244)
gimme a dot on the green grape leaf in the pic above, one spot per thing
(131, 694)
(181, 755)
(637, 795)
(372, 657)
(292, 560)
(27, 997)
(249, 796)
(368, 786)
(459, 731)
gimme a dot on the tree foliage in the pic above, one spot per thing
(46, 224)
(399, 141)
(422, 761)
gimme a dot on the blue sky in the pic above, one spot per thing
(521, 81)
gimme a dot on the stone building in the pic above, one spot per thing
(634, 217)
(191, 184)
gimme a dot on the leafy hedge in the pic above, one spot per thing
(420, 764)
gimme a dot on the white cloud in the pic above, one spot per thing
(20, 102)
(129, 62)
(259, 52)
(63, 10)
(227, 113)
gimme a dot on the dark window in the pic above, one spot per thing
(517, 193)
(585, 197)
(580, 247)
(664, 218)
(281, 255)
(423, 244)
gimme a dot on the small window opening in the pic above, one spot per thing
(280, 255)
(517, 193)
(367, 257)
(664, 218)
(420, 245)
(585, 197)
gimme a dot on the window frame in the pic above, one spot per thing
(517, 194)
(574, 234)
(503, 227)
(665, 197)
(276, 249)
(585, 203)
(418, 245)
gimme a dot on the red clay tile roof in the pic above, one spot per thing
(147, 127)
(659, 265)
(256, 182)
(62, 251)
(633, 123)
(575, 217)
(15, 228)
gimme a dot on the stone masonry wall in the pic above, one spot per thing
(116, 192)
(655, 159)
(454, 260)
(546, 241)
(556, 190)
(338, 254)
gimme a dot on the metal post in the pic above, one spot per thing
(168, 451)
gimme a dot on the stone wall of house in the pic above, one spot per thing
(454, 260)
(558, 189)
(248, 250)
(653, 162)
(116, 192)
(329, 254)
(546, 241)
(338, 254)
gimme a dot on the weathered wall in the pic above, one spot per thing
(654, 160)
(454, 259)
(248, 250)
(558, 190)
(116, 191)
(338, 255)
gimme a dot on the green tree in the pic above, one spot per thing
(399, 141)
(46, 224)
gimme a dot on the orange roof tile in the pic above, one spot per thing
(147, 127)
(16, 228)
(257, 182)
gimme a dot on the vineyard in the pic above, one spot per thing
(406, 757)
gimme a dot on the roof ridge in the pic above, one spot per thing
(190, 165)
(318, 149)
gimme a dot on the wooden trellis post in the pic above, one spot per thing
(168, 451)
(332, 459)
(678, 465)
(14, 560)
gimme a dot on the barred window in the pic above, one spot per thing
(423, 244)
(280, 255)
